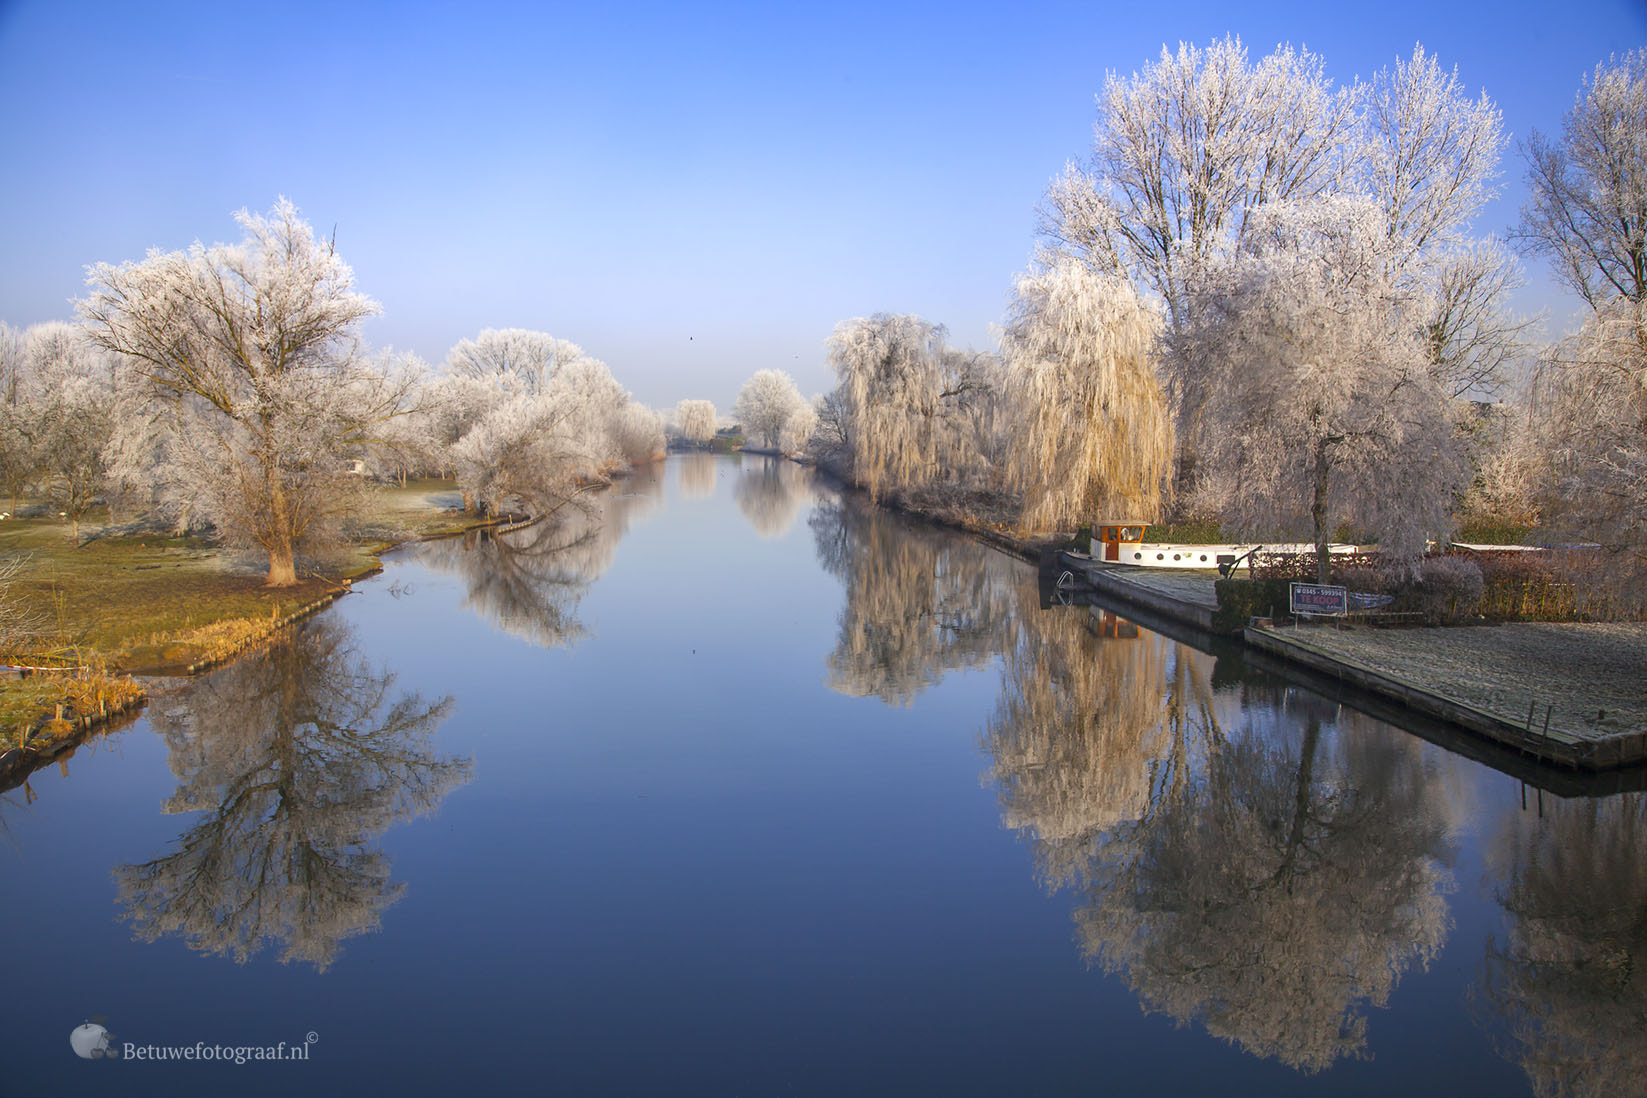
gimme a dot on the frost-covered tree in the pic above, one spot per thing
(1429, 158)
(1588, 216)
(1092, 432)
(1185, 150)
(1590, 406)
(73, 421)
(1322, 406)
(254, 379)
(540, 446)
(909, 411)
(19, 457)
(637, 434)
(1430, 154)
(696, 419)
(890, 371)
(523, 359)
(795, 439)
(1587, 212)
(1189, 151)
(1472, 337)
(765, 403)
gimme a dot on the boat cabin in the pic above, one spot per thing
(1117, 541)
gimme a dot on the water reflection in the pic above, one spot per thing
(1568, 981)
(1279, 892)
(530, 582)
(1083, 730)
(297, 758)
(1265, 867)
(697, 473)
(919, 602)
(771, 493)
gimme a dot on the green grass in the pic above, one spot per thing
(155, 602)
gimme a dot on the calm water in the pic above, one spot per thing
(748, 789)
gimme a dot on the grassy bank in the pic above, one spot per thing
(143, 601)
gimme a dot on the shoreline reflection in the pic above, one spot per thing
(296, 759)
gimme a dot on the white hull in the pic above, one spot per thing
(1157, 555)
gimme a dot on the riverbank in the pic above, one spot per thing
(130, 601)
(1572, 694)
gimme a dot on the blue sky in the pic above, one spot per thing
(691, 192)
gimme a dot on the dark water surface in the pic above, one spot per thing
(750, 789)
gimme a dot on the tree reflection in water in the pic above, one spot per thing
(530, 582)
(697, 473)
(771, 493)
(919, 602)
(1083, 729)
(298, 757)
(1268, 883)
(1568, 982)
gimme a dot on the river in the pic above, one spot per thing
(737, 786)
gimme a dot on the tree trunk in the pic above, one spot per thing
(282, 566)
(1323, 467)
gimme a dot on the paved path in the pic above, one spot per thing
(1593, 677)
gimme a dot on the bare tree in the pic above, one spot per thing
(20, 621)
(1471, 337)
(254, 375)
(1093, 432)
(765, 403)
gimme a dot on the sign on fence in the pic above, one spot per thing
(1315, 598)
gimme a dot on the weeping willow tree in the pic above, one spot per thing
(914, 412)
(1094, 433)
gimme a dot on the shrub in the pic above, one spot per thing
(1242, 599)
(1445, 589)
